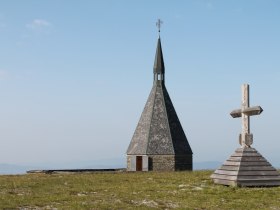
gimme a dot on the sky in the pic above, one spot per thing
(75, 75)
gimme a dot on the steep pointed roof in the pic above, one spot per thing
(159, 131)
(159, 63)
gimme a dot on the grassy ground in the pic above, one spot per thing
(172, 190)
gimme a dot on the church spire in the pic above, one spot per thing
(159, 63)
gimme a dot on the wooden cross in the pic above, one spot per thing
(246, 138)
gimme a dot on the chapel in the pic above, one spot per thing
(159, 142)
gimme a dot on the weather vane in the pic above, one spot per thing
(158, 24)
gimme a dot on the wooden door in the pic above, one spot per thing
(139, 163)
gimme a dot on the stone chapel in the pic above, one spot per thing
(159, 142)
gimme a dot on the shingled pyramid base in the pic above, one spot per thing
(247, 168)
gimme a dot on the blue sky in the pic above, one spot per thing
(75, 75)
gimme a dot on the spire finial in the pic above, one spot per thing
(158, 24)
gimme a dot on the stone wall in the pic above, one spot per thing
(183, 163)
(170, 162)
(163, 162)
(130, 166)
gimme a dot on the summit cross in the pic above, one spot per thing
(246, 138)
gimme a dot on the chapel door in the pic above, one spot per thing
(139, 163)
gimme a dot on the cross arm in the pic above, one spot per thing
(236, 113)
(255, 110)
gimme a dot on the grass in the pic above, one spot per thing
(150, 190)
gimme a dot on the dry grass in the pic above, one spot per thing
(166, 190)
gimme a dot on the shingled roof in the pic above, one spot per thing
(159, 131)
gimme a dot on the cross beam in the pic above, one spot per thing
(246, 138)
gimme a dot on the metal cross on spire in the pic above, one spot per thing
(246, 138)
(158, 24)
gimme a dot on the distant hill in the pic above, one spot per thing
(96, 164)
(206, 165)
(14, 169)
